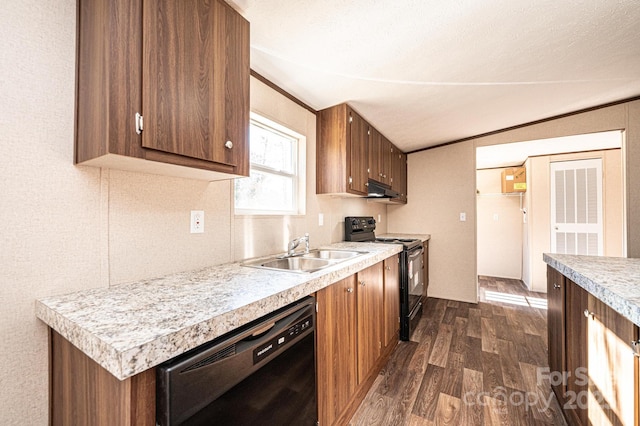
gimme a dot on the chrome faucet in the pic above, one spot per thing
(293, 244)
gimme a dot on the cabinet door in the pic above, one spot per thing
(375, 158)
(556, 327)
(336, 348)
(387, 160)
(358, 153)
(196, 80)
(391, 300)
(399, 174)
(577, 388)
(611, 365)
(370, 313)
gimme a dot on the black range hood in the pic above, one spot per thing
(380, 190)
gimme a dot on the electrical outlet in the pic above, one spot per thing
(320, 219)
(379, 218)
(197, 221)
(463, 217)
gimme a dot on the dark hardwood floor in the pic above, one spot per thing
(470, 364)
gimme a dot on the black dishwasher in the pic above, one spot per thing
(260, 374)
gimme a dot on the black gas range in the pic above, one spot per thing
(412, 286)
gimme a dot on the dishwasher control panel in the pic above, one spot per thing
(267, 348)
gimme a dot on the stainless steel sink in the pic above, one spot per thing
(298, 264)
(332, 254)
(308, 262)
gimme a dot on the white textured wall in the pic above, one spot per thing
(65, 228)
(499, 224)
(441, 186)
(50, 211)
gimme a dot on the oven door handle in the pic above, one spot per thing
(415, 253)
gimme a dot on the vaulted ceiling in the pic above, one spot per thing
(426, 72)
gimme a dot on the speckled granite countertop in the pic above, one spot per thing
(130, 328)
(614, 280)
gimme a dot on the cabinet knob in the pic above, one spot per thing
(635, 346)
(228, 144)
(362, 283)
(388, 268)
(556, 286)
(589, 314)
(349, 290)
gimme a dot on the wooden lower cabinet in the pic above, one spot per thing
(576, 354)
(336, 348)
(601, 383)
(556, 327)
(613, 390)
(356, 330)
(370, 296)
(84, 393)
(349, 339)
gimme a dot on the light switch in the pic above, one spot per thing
(495, 217)
(320, 219)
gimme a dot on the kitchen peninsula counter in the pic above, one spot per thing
(132, 327)
(613, 280)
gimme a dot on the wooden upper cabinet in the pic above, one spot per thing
(359, 153)
(342, 152)
(350, 151)
(386, 154)
(399, 175)
(375, 159)
(183, 66)
(380, 157)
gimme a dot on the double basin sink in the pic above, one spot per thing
(305, 262)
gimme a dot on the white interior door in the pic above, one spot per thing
(576, 207)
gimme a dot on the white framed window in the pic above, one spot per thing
(276, 184)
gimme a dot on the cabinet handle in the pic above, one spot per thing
(139, 123)
(589, 314)
(349, 290)
(635, 346)
(362, 283)
(556, 286)
(228, 144)
(388, 268)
